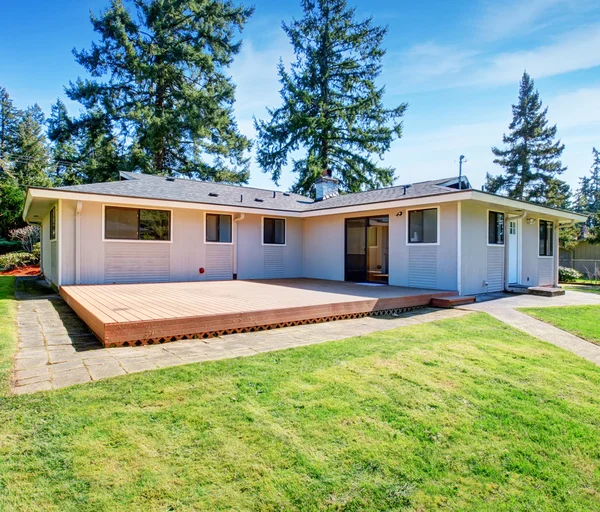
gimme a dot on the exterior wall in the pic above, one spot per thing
(49, 252)
(424, 266)
(482, 266)
(143, 261)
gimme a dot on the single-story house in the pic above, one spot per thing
(439, 234)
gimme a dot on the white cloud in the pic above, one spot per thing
(576, 109)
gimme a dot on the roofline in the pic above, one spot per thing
(455, 195)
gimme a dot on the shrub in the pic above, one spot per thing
(7, 246)
(14, 260)
(28, 236)
(37, 251)
(568, 275)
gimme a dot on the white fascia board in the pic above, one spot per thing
(527, 206)
(154, 203)
(448, 197)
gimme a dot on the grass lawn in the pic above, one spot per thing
(585, 289)
(465, 414)
(582, 321)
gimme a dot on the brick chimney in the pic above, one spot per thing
(326, 187)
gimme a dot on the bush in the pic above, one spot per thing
(568, 275)
(37, 251)
(7, 246)
(28, 236)
(14, 260)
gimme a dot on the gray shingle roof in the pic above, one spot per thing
(158, 187)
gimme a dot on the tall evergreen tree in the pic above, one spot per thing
(9, 116)
(588, 198)
(332, 108)
(30, 158)
(531, 160)
(66, 158)
(166, 93)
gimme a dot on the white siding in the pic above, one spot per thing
(136, 262)
(273, 262)
(54, 262)
(495, 269)
(219, 261)
(545, 271)
(422, 266)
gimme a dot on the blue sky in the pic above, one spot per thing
(457, 64)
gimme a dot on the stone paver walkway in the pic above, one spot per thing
(502, 307)
(56, 349)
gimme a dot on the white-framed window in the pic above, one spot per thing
(218, 228)
(546, 238)
(495, 228)
(52, 230)
(423, 226)
(136, 224)
(274, 231)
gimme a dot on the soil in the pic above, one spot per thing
(30, 270)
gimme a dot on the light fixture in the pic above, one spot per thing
(530, 221)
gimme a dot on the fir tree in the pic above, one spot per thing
(9, 116)
(165, 93)
(30, 158)
(588, 198)
(66, 158)
(332, 109)
(531, 160)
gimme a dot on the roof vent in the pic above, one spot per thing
(286, 194)
(170, 178)
(274, 194)
(258, 200)
(213, 194)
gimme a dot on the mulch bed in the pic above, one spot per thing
(30, 270)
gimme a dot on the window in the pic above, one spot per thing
(422, 226)
(136, 224)
(218, 228)
(53, 224)
(546, 238)
(496, 228)
(273, 231)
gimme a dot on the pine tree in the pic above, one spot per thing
(31, 157)
(8, 121)
(332, 109)
(588, 198)
(531, 159)
(66, 158)
(165, 91)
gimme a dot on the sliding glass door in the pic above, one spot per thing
(367, 248)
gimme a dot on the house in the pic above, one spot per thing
(433, 234)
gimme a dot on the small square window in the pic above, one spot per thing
(218, 228)
(273, 231)
(422, 226)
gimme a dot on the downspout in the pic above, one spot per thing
(235, 243)
(507, 249)
(78, 242)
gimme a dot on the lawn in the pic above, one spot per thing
(464, 414)
(582, 321)
(585, 289)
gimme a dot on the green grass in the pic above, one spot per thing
(8, 330)
(582, 321)
(585, 289)
(464, 414)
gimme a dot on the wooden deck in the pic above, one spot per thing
(136, 314)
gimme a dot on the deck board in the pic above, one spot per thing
(128, 312)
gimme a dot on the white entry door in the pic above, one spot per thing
(513, 251)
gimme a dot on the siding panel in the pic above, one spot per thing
(422, 267)
(219, 262)
(54, 262)
(273, 265)
(136, 262)
(495, 269)
(545, 271)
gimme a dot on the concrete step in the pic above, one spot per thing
(546, 291)
(452, 301)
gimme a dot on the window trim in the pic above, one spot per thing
(407, 227)
(538, 234)
(206, 213)
(262, 230)
(131, 241)
(55, 210)
(503, 244)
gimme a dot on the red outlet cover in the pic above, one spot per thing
(201, 270)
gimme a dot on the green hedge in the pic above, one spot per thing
(7, 246)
